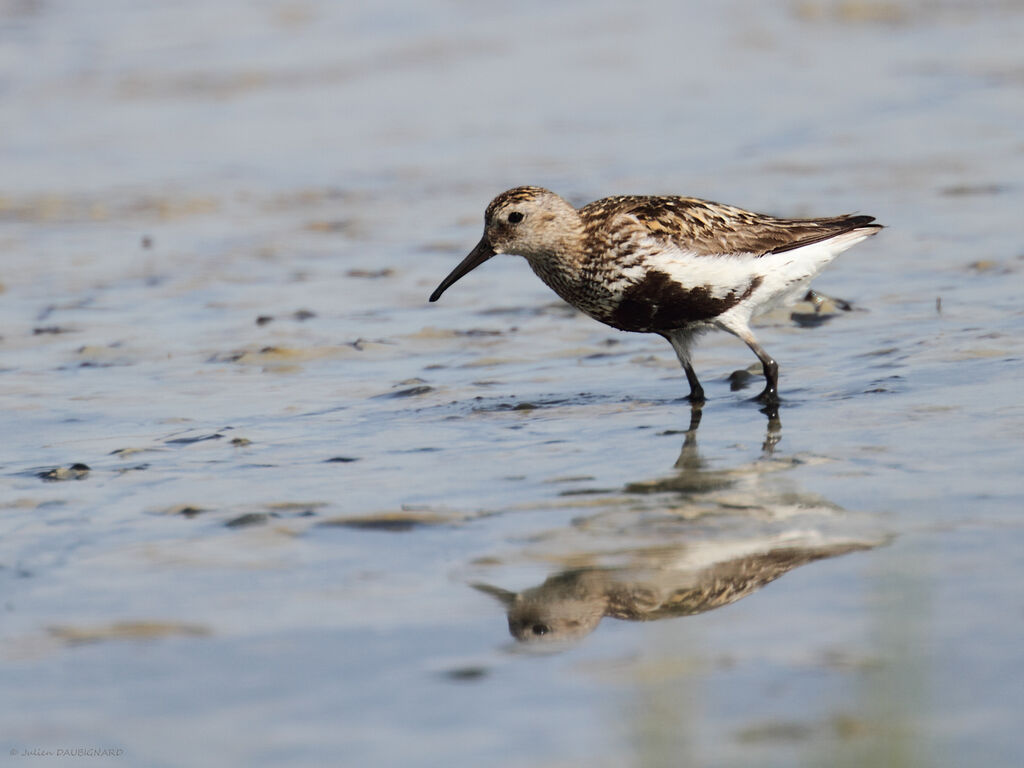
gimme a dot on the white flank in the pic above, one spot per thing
(784, 276)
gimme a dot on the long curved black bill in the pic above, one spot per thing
(477, 256)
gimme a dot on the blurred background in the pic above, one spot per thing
(260, 502)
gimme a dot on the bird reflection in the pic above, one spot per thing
(675, 563)
(570, 604)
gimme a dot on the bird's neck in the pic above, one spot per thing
(561, 273)
(559, 261)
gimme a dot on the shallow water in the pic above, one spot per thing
(260, 502)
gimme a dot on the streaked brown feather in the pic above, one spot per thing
(712, 229)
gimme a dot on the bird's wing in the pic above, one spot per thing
(704, 228)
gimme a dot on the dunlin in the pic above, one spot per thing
(675, 266)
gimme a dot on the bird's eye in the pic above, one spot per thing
(539, 629)
(515, 217)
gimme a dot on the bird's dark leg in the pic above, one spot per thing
(770, 394)
(680, 341)
(696, 390)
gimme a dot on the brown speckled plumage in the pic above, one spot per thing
(674, 266)
(713, 229)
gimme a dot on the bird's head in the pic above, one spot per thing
(526, 221)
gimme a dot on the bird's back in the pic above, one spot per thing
(707, 228)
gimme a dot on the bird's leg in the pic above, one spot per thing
(696, 390)
(770, 394)
(681, 344)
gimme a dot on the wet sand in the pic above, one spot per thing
(261, 503)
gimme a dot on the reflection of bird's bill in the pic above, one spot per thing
(503, 596)
(476, 257)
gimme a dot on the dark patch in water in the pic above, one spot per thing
(136, 468)
(76, 471)
(250, 518)
(408, 392)
(890, 384)
(739, 380)
(388, 524)
(466, 674)
(190, 440)
(50, 330)
(687, 483)
(525, 406)
(340, 460)
(970, 190)
(881, 352)
(226, 357)
(810, 319)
